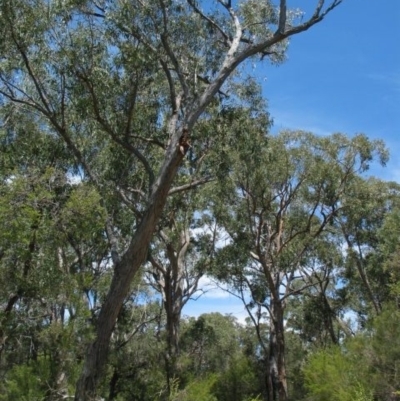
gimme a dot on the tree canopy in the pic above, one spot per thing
(134, 135)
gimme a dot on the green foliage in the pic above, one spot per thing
(333, 375)
(363, 368)
(278, 203)
(382, 352)
(25, 382)
(206, 341)
(368, 224)
(198, 390)
(239, 382)
(136, 368)
(215, 346)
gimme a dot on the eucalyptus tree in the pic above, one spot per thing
(126, 82)
(220, 351)
(370, 234)
(210, 341)
(388, 252)
(179, 256)
(51, 248)
(280, 220)
(134, 369)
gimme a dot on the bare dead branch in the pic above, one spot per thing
(232, 60)
(318, 16)
(191, 185)
(148, 140)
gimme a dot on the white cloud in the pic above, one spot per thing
(211, 289)
(216, 299)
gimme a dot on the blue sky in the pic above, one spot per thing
(342, 75)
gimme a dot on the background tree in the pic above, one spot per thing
(179, 257)
(370, 208)
(282, 202)
(213, 352)
(53, 254)
(135, 371)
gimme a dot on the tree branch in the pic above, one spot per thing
(238, 33)
(210, 21)
(171, 84)
(170, 52)
(282, 17)
(148, 140)
(190, 185)
(126, 145)
(31, 74)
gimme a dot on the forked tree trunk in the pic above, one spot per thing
(170, 279)
(173, 290)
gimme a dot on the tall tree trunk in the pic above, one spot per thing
(124, 271)
(276, 382)
(174, 291)
(170, 278)
(173, 309)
